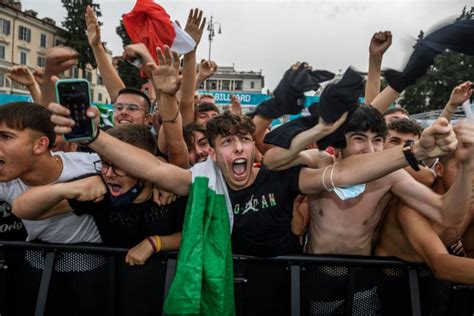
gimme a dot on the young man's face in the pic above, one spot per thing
(133, 110)
(362, 143)
(116, 179)
(200, 149)
(235, 155)
(395, 138)
(203, 117)
(395, 116)
(16, 152)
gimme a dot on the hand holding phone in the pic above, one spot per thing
(74, 94)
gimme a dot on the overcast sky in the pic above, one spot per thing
(271, 35)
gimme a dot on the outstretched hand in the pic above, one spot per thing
(22, 75)
(379, 43)
(195, 25)
(206, 69)
(60, 59)
(92, 27)
(460, 94)
(166, 78)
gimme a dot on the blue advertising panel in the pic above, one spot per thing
(246, 99)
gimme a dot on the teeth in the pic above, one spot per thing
(239, 161)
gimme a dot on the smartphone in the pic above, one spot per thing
(75, 95)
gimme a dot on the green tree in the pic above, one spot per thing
(432, 91)
(130, 74)
(75, 35)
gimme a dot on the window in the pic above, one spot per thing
(43, 40)
(238, 85)
(4, 26)
(41, 61)
(252, 85)
(225, 85)
(24, 34)
(100, 97)
(58, 42)
(23, 57)
(212, 84)
(2, 51)
(99, 80)
(2, 80)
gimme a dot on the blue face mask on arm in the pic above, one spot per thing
(344, 193)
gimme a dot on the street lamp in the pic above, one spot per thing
(210, 28)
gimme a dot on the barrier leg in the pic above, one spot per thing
(44, 285)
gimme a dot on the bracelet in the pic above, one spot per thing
(93, 138)
(172, 120)
(158, 241)
(410, 156)
(150, 240)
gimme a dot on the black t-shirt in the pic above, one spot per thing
(128, 226)
(11, 227)
(263, 214)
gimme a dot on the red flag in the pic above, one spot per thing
(150, 24)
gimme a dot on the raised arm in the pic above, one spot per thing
(436, 140)
(48, 200)
(379, 44)
(194, 27)
(135, 161)
(24, 76)
(166, 80)
(111, 79)
(459, 94)
(448, 209)
(205, 70)
(429, 246)
(278, 157)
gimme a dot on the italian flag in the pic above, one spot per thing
(204, 281)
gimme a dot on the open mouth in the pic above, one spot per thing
(124, 122)
(2, 164)
(115, 188)
(239, 167)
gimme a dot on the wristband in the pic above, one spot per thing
(158, 242)
(93, 138)
(173, 120)
(152, 243)
(410, 156)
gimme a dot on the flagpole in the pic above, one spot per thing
(210, 28)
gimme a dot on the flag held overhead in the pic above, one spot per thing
(150, 24)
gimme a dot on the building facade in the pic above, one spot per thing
(24, 40)
(227, 79)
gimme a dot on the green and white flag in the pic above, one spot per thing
(204, 281)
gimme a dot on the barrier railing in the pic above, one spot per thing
(47, 279)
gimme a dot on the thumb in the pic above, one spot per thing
(439, 127)
(151, 66)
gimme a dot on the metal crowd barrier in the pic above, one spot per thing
(47, 279)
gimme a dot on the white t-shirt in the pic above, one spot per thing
(64, 228)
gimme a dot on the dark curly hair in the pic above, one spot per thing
(227, 124)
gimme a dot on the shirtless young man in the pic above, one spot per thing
(347, 226)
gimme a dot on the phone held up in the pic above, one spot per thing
(75, 95)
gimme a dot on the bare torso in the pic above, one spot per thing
(347, 227)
